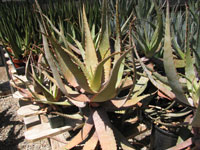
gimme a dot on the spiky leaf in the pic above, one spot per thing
(169, 66)
(109, 90)
(118, 45)
(92, 142)
(134, 100)
(82, 135)
(91, 60)
(50, 57)
(104, 130)
(65, 62)
(104, 47)
(97, 78)
(122, 140)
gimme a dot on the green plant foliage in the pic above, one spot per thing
(170, 69)
(100, 75)
(18, 27)
(148, 34)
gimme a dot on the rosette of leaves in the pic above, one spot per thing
(42, 90)
(95, 77)
(191, 96)
(18, 27)
(39, 87)
(148, 30)
(182, 87)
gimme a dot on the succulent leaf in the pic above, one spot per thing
(97, 78)
(134, 100)
(118, 45)
(140, 86)
(90, 60)
(65, 61)
(48, 55)
(104, 47)
(122, 140)
(169, 66)
(82, 135)
(157, 36)
(156, 84)
(91, 144)
(104, 130)
(109, 90)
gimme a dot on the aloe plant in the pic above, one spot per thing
(148, 34)
(18, 27)
(179, 87)
(95, 77)
(190, 74)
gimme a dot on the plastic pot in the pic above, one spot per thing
(162, 139)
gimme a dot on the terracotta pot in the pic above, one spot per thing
(18, 63)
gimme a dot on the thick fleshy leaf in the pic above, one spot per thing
(190, 72)
(170, 94)
(118, 103)
(69, 76)
(68, 89)
(109, 90)
(82, 135)
(79, 97)
(178, 49)
(118, 45)
(79, 45)
(65, 62)
(45, 91)
(64, 103)
(92, 142)
(169, 66)
(140, 86)
(104, 47)
(69, 116)
(90, 60)
(179, 114)
(157, 36)
(126, 22)
(134, 100)
(179, 63)
(74, 97)
(189, 68)
(122, 140)
(104, 130)
(79, 63)
(50, 60)
(196, 120)
(184, 145)
(97, 78)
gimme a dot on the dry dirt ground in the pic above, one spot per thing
(11, 126)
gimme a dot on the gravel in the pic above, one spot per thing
(11, 126)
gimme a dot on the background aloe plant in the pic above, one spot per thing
(18, 27)
(148, 30)
(183, 83)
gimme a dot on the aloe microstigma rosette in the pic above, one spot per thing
(94, 76)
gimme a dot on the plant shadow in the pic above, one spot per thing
(9, 131)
